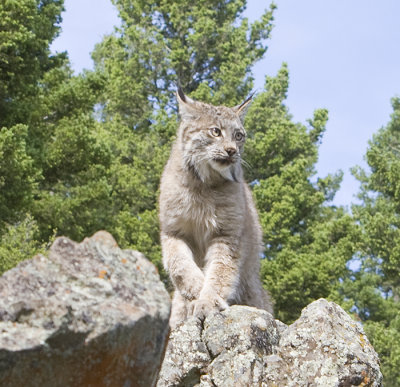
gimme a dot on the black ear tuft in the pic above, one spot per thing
(241, 109)
(187, 107)
(244, 103)
(181, 94)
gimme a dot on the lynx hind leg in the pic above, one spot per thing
(258, 297)
(179, 310)
(268, 304)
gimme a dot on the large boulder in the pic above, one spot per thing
(324, 347)
(243, 346)
(89, 315)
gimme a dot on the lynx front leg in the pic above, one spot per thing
(179, 310)
(220, 280)
(178, 260)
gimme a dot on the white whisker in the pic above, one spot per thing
(246, 164)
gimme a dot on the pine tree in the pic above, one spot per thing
(27, 28)
(52, 150)
(374, 289)
(307, 241)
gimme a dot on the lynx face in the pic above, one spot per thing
(212, 139)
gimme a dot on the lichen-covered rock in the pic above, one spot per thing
(324, 347)
(239, 341)
(230, 350)
(243, 346)
(89, 315)
(186, 357)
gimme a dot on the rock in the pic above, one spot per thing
(89, 315)
(239, 342)
(243, 346)
(230, 350)
(187, 358)
(324, 347)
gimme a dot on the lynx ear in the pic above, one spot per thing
(241, 109)
(187, 106)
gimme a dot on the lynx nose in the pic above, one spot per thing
(230, 150)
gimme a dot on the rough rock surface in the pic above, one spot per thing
(89, 315)
(243, 346)
(324, 347)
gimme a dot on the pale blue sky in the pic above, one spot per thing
(343, 55)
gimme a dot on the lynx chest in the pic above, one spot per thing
(198, 214)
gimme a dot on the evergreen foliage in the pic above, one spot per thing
(374, 290)
(19, 242)
(79, 153)
(307, 241)
(27, 27)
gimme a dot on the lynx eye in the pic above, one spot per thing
(216, 132)
(239, 136)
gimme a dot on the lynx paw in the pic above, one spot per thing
(190, 290)
(208, 305)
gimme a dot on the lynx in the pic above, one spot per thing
(210, 234)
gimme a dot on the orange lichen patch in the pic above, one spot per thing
(366, 379)
(102, 273)
(124, 260)
(138, 267)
